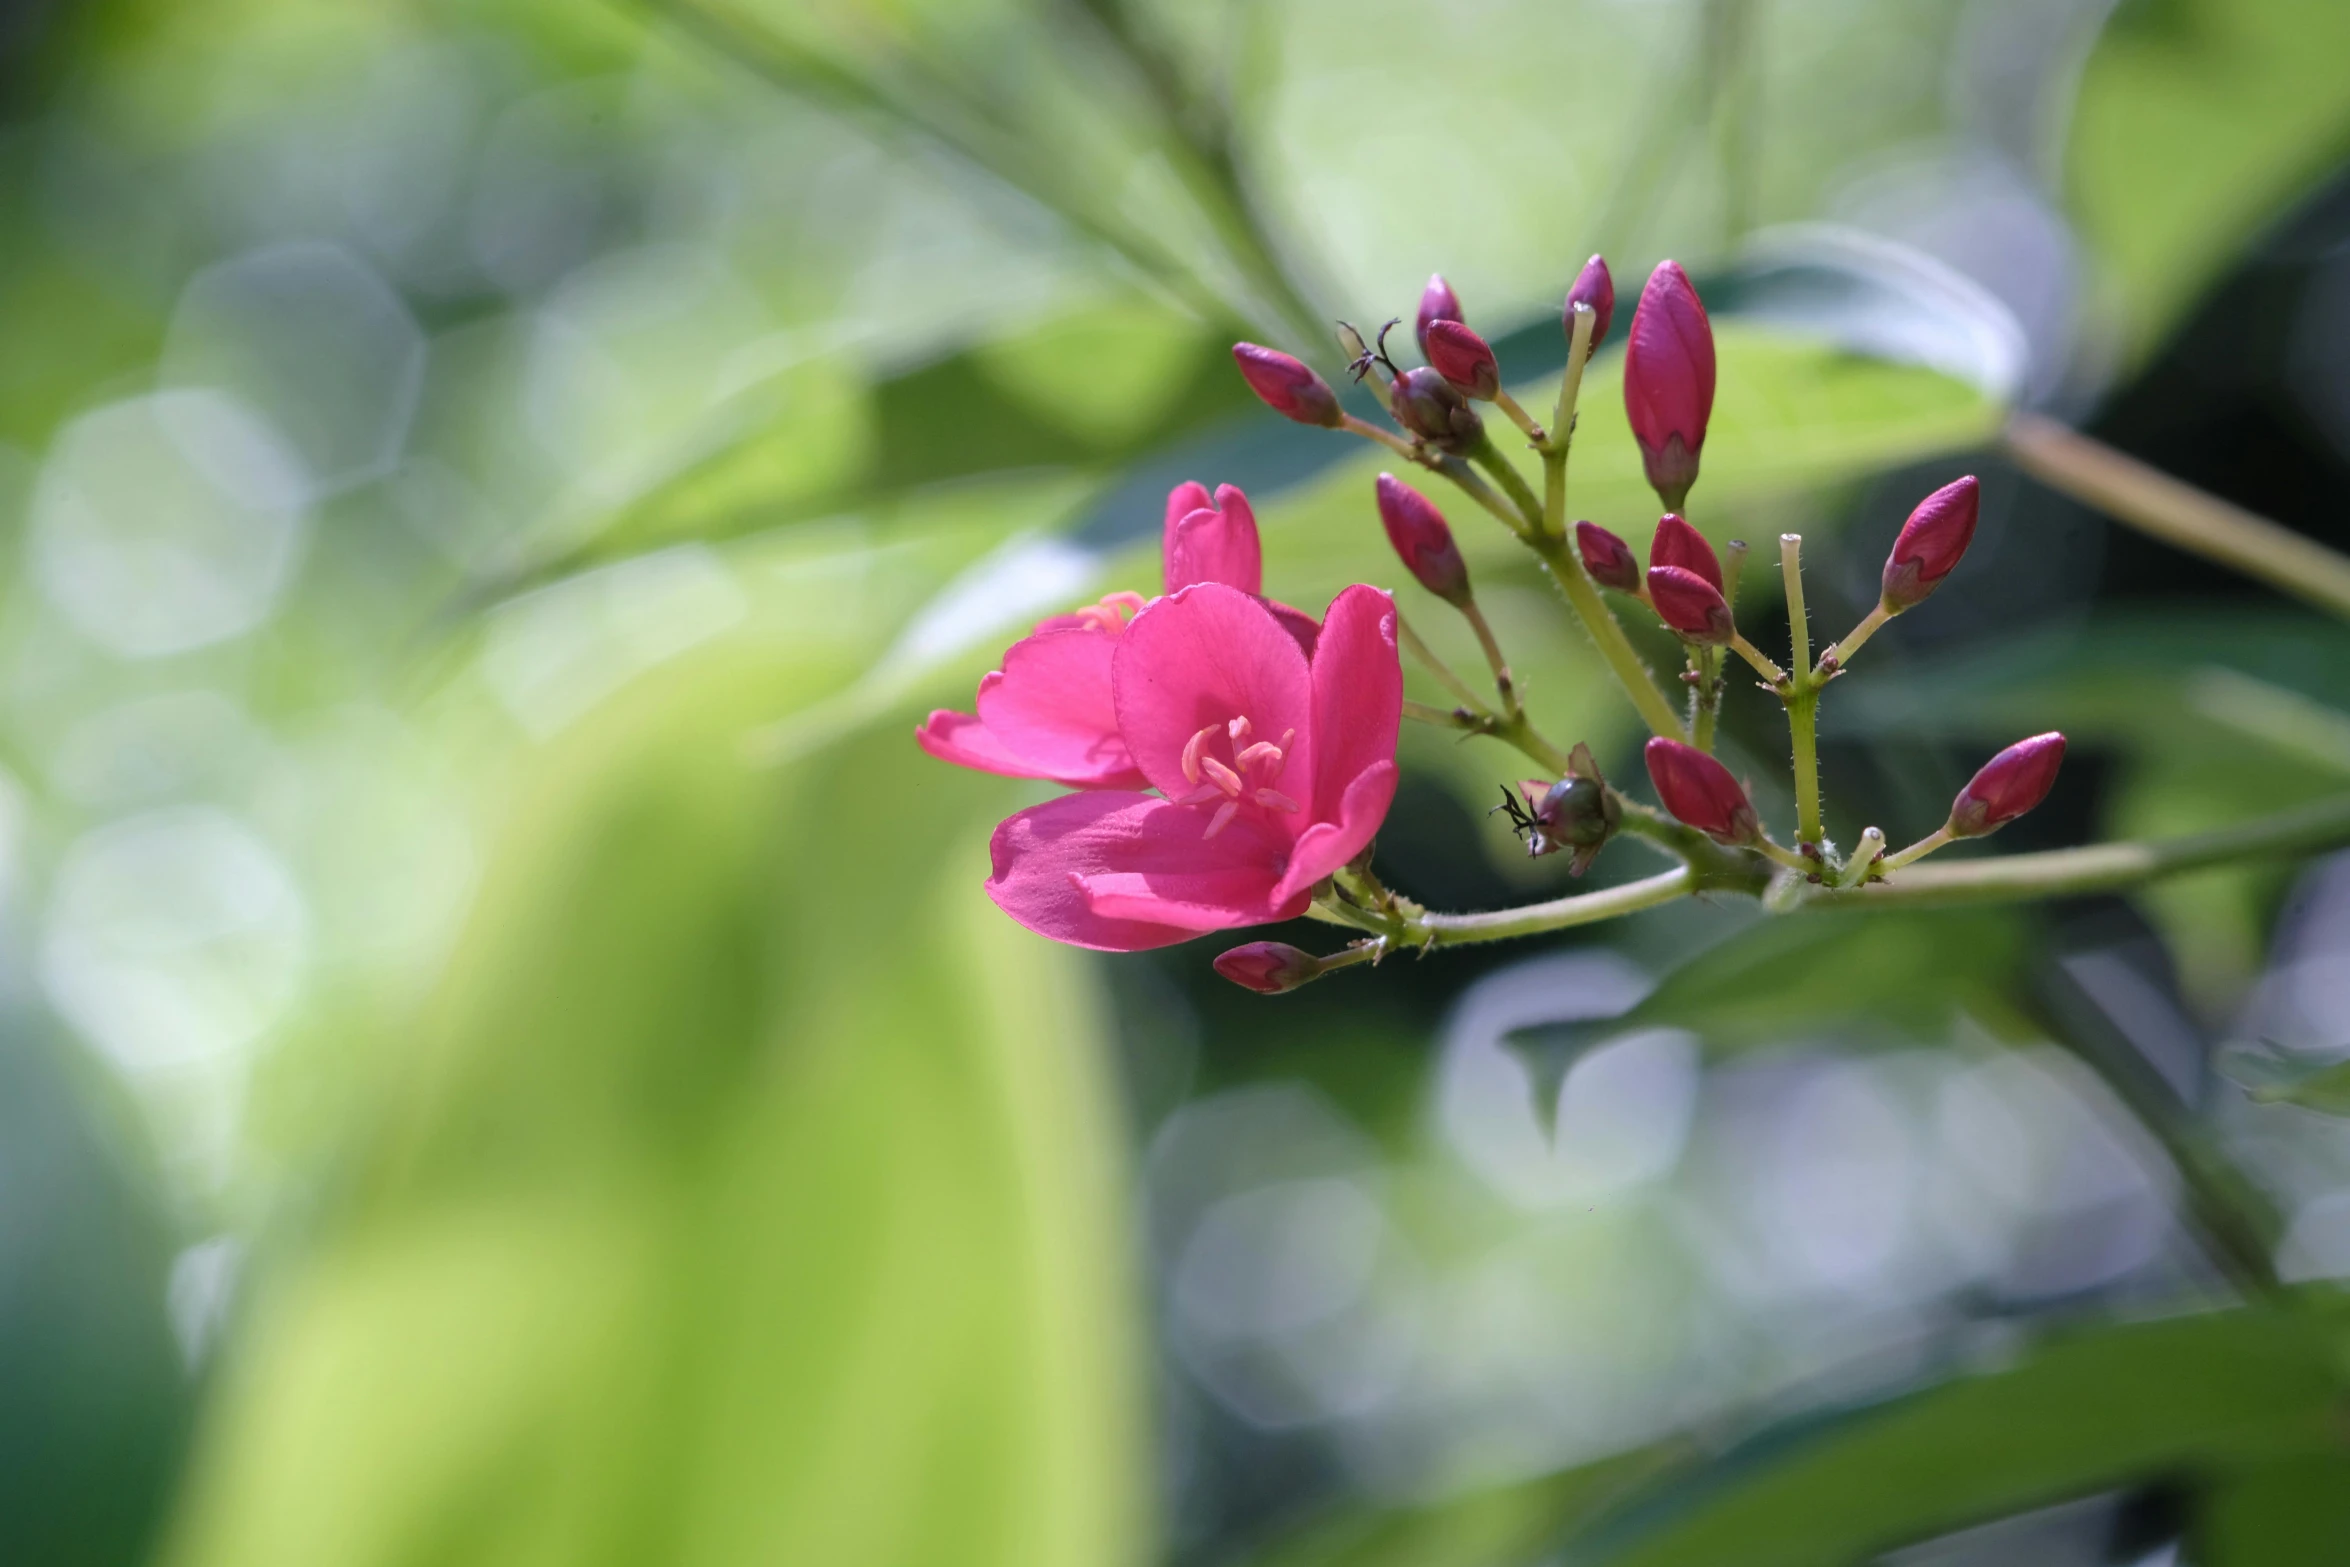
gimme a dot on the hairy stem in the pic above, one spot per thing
(1454, 930)
(1502, 682)
(1566, 569)
(2179, 514)
(1436, 666)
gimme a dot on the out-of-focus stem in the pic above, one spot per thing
(1842, 649)
(1938, 838)
(1489, 457)
(1522, 419)
(1435, 665)
(1499, 665)
(1386, 438)
(1864, 855)
(1598, 620)
(1455, 930)
(1562, 426)
(2179, 514)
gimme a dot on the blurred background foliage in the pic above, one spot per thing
(503, 1056)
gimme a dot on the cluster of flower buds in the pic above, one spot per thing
(1685, 583)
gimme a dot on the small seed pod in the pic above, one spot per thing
(1576, 813)
(1433, 409)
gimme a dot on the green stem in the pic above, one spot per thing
(1940, 837)
(1372, 432)
(2105, 867)
(1864, 855)
(1705, 696)
(1436, 666)
(1803, 715)
(2179, 514)
(1456, 930)
(1499, 665)
(1839, 653)
(1600, 622)
(1522, 419)
(1477, 490)
(1488, 457)
(1562, 425)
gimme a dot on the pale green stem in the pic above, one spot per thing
(1455, 930)
(1864, 855)
(1798, 622)
(1372, 432)
(1522, 419)
(1562, 426)
(2179, 514)
(1477, 490)
(1940, 837)
(1583, 595)
(2105, 867)
(1500, 666)
(1489, 457)
(1786, 857)
(1705, 696)
(1435, 665)
(1841, 650)
(1763, 666)
(1803, 702)
(1733, 568)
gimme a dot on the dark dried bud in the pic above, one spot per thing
(1422, 540)
(2009, 784)
(1289, 387)
(1437, 303)
(1700, 791)
(1577, 813)
(1463, 358)
(1608, 558)
(1433, 409)
(1593, 287)
(1931, 543)
(1692, 606)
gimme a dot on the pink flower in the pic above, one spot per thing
(1669, 380)
(1273, 769)
(1047, 713)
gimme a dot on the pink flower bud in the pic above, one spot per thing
(1931, 542)
(1692, 606)
(1608, 558)
(2009, 784)
(1433, 409)
(1268, 967)
(1593, 287)
(1700, 791)
(1287, 385)
(1437, 303)
(1678, 544)
(1669, 381)
(1464, 359)
(1423, 541)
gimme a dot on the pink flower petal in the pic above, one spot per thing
(1123, 872)
(1216, 544)
(1303, 628)
(1208, 655)
(1050, 707)
(1327, 845)
(1182, 501)
(1358, 696)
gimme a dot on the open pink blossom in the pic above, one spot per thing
(1047, 712)
(1273, 769)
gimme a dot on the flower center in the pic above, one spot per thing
(1246, 779)
(1112, 613)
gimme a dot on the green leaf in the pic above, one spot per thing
(2276, 1515)
(2081, 1414)
(748, 1192)
(2271, 1074)
(2196, 123)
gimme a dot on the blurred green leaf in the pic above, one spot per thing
(747, 1192)
(2272, 1074)
(2196, 123)
(2276, 1515)
(2081, 1414)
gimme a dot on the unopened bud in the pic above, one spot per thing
(1593, 287)
(1700, 791)
(1669, 381)
(1931, 542)
(1678, 544)
(1288, 386)
(1423, 540)
(1433, 409)
(1608, 558)
(1464, 359)
(2009, 784)
(1268, 967)
(1437, 303)
(1692, 606)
